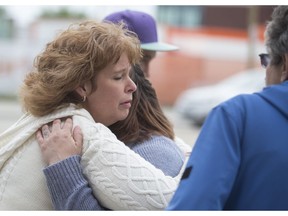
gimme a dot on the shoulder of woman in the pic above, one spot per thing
(157, 141)
(90, 128)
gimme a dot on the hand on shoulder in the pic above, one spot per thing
(59, 141)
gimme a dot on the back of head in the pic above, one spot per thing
(74, 57)
(276, 35)
(144, 26)
(146, 117)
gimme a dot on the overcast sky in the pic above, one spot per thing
(23, 15)
(97, 9)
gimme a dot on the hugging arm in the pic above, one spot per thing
(61, 149)
(121, 178)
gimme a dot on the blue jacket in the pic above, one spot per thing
(240, 159)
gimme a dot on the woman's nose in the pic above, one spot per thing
(132, 87)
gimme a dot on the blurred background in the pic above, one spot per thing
(217, 59)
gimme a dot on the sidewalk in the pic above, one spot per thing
(10, 112)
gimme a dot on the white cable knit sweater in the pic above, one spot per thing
(119, 177)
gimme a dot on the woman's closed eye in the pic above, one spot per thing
(118, 77)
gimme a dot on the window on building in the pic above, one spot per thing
(181, 16)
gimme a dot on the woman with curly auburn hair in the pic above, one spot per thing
(76, 56)
(84, 75)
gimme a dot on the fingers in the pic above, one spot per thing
(78, 136)
(39, 137)
(56, 124)
(45, 131)
(68, 125)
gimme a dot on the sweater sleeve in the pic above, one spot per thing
(163, 153)
(68, 187)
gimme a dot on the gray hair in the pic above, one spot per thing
(276, 35)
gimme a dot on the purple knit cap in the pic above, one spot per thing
(144, 26)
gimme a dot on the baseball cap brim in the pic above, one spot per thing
(158, 46)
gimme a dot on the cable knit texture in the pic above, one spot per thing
(119, 177)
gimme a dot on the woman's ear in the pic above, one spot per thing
(84, 90)
(284, 75)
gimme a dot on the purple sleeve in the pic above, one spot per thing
(68, 187)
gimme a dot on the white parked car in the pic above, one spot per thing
(197, 102)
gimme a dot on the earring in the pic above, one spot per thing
(84, 98)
